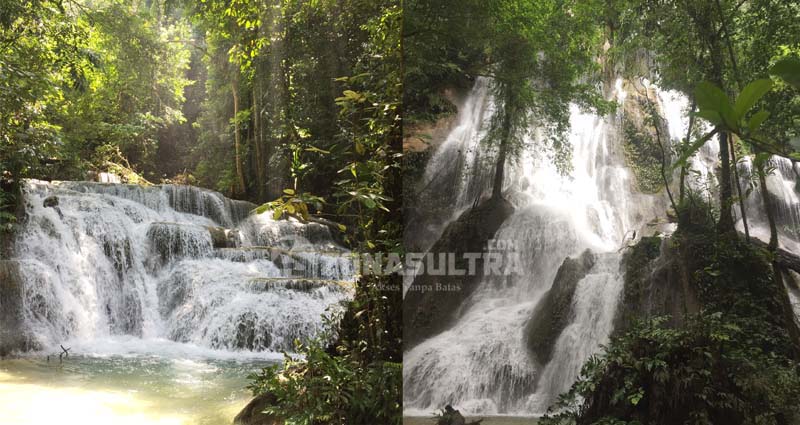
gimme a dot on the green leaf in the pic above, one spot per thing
(710, 116)
(369, 203)
(342, 227)
(761, 158)
(694, 147)
(318, 150)
(757, 119)
(788, 69)
(276, 215)
(711, 98)
(636, 397)
(750, 95)
(288, 191)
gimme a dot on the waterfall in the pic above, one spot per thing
(483, 363)
(96, 262)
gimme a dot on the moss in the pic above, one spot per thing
(643, 156)
(637, 269)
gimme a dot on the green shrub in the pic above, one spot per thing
(708, 372)
(328, 389)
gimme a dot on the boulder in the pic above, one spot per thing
(50, 202)
(552, 314)
(12, 335)
(219, 236)
(431, 305)
(658, 282)
(252, 413)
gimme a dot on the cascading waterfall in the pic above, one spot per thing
(460, 172)
(782, 186)
(97, 262)
(459, 169)
(482, 364)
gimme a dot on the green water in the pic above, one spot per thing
(123, 390)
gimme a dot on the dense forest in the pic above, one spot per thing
(203, 93)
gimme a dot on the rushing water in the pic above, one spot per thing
(460, 172)
(167, 296)
(482, 364)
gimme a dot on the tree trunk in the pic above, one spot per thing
(260, 165)
(725, 224)
(499, 172)
(657, 127)
(236, 136)
(682, 183)
(739, 190)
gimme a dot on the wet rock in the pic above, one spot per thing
(50, 202)
(552, 314)
(252, 413)
(172, 240)
(219, 236)
(658, 281)
(12, 334)
(431, 304)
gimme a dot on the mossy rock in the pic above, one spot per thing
(13, 336)
(658, 282)
(640, 141)
(252, 414)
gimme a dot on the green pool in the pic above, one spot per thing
(136, 389)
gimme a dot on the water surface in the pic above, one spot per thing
(133, 388)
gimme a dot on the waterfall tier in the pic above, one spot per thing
(94, 261)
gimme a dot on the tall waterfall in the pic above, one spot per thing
(483, 364)
(460, 172)
(97, 262)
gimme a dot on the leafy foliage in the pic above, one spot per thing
(331, 389)
(296, 101)
(705, 372)
(75, 77)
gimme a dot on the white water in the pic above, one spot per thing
(482, 364)
(126, 269)
(460, 172)
(461, 168)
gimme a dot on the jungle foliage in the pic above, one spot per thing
(77, 80)
(736, 360)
